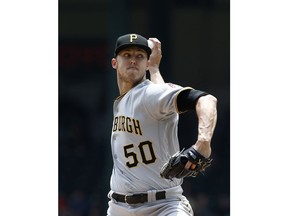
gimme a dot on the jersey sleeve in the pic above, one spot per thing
(160, 99)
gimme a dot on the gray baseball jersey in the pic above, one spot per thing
(144, 137)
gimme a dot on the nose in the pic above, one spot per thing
(132, 61)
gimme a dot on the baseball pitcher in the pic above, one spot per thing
(148, 166)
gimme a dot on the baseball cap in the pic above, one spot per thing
(129, 40)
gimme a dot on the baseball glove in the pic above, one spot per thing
(175, 167)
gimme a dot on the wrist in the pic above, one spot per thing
(203, 147)
(204, 136)
(154, 70)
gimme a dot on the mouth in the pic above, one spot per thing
(133, 68)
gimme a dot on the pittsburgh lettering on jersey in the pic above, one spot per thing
(126, 124)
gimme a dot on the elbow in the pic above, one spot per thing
(213, 99)
(209, 99)
(207, 102)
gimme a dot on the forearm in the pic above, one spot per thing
(206, 109)
(154, 61)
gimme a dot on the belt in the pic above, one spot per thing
(137, 198)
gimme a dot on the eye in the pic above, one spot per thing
(140, 55)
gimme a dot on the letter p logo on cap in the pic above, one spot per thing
(133, 37)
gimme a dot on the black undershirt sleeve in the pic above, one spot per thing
(187, 99)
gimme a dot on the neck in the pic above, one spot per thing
(126, 86)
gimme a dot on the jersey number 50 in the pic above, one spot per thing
(146, 151)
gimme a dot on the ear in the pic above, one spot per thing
(114, 63)
(148, 63)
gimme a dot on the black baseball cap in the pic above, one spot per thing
(132, 40)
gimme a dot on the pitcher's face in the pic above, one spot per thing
(131, 64)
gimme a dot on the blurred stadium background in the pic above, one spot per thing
(195, 36)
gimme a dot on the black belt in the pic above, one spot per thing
(137, 198)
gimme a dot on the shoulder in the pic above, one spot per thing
(163, 88)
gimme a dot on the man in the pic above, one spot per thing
(144, 132)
